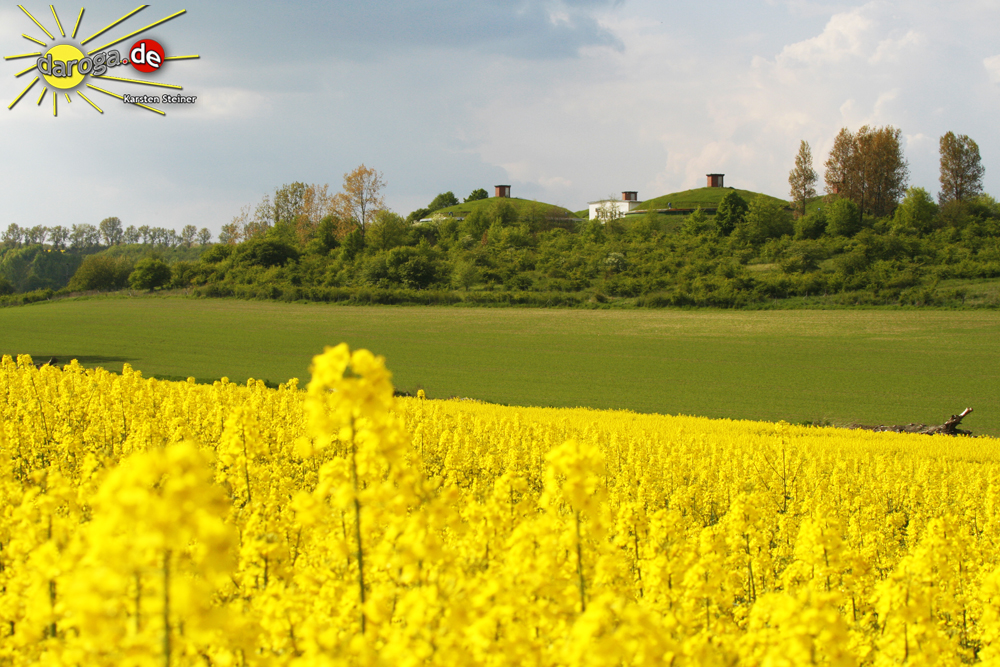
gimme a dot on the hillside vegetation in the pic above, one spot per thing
(507, 251)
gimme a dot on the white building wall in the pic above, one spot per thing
(622, 207)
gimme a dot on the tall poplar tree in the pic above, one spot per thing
(868, 168)
(961, 169)
(802, 178)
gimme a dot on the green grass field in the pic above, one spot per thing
(869, 366)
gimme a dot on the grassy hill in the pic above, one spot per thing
(704, 197)
(520, 205)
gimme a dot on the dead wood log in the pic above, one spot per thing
(950, 427)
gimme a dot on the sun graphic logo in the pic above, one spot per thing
(65, 66)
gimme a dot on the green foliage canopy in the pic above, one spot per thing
(731, 211)
(265, 252)
(443, 200)
(149, 273)
(843, 218)
(766, 219)
(916, 213)
(101, 273)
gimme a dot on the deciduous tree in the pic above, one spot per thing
(289, 202)
(868, 168)
(387, 231)
(443, 200)
(188, 235)
(916, 213)
(961, 169)
(84, 236)
(149, 273)
(767, 219)
(12, 237)
(100, 272)
(731, 212)
(802, 178)
(230, 234)
(58, 236)
(36, 235)
(111, 231)
(842, 218)
(362, 197)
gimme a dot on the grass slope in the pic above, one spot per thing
(462, 210)
(869, 366)
(704, 197)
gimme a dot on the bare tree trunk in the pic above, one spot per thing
(950, 427)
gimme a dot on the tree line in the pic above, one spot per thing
(299, 212)
(871, 240)
(868, 168)
(109, 232)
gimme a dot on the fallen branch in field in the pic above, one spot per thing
(950, 427)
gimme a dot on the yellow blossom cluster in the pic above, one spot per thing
(170, 523)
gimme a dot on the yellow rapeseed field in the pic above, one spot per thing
(166, 523)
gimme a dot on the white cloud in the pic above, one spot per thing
(992, 65)
(893, 48)
(882, 109)
(918, 140)
(555, 182)
(847, 35)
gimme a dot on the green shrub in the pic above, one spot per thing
(766, 219)
(410, 267)
(352, 245)
(102, 273)
(217, 253)
(265, 252)
(520, 282)
(812, 225)
(843, 218)
(182, 274)
(149, 273)
(916, 213)
(732, 211)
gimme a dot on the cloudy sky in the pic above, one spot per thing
(566, 100)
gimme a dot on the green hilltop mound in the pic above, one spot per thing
(703, 197)
(520, 205)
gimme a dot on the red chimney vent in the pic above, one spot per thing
(715, 180)
(503, 191)
(630, 195)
